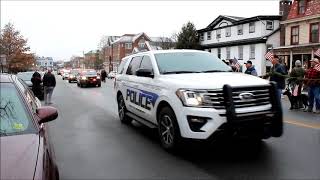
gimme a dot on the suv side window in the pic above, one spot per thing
(121, 66)
(134, 65)
(146, 63)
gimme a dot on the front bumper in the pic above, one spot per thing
(264, 121)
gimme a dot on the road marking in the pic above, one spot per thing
(307, 125)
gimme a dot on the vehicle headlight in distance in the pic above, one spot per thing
(98, 77)
(191, 98)
(71, 76)
(83, 78)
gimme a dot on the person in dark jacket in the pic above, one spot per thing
(250, 69)
(49, 83)
(36, 85)
(103, 75)
(296, 82)
(277, 75)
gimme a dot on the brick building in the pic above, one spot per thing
(127, 44)
(300, 31)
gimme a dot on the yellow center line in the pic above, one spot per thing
(302, 124)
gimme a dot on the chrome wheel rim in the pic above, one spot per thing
(166, 130)
(121, 109)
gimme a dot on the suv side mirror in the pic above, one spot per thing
(46, 114)
(145, 73)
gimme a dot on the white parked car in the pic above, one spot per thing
(65, 74)
(112, 74)
(193, 95)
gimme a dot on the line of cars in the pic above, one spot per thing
(83, 77)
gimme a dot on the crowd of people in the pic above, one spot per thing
(299, 80)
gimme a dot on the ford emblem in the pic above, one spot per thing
(246, 96)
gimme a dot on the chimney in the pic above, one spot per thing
(284, 8)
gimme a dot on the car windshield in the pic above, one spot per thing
(90, 72)
(26, 76)
(14, 118)
(189, 62)
(74, 72)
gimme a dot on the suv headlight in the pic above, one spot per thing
(191, 97)
(98, 77)
(83, 78)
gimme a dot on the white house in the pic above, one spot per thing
(44, 62)
(245, 39)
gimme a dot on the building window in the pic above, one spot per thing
(252, 51)
(141, 45)
(219, 53)
(228, 31)
(314, 33)
(228, 52)
(128, 45)
(302, 7)
(294, 35)
(252, 27)
(201, 36)
(240, 29)
(209, 35)
(218, 33)
(240, 52)
(269, 25)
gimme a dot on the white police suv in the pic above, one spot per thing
(193, 94)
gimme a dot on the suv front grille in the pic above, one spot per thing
(259, 96)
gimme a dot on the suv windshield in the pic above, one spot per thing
(189, 62)
(13, 115)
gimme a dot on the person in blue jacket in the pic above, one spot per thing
(250, 69)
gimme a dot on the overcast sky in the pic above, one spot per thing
(61, 29)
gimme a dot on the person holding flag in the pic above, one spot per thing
(312, 80)
(277, 73)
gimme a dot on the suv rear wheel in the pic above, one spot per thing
(168, 129)
(122, 110)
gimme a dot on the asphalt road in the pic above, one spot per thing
(91, 143)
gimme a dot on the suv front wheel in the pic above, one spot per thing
(168, 129)
(122, 110)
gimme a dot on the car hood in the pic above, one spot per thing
(211, 80)
(29, 83)
(18, 156)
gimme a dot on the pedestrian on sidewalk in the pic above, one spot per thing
(49, 83)
(250, 69)
(277, 75)
(296, 83)
(312, 81)
(103, 75)
(36, 85)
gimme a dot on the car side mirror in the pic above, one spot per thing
(145, 73)
(46, 114)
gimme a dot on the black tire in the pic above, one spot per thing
(168, 129)
(99, 85)
(122, 110)
(69, 81)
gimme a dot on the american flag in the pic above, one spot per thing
(317, 67)
(236, 63)
(317, 53)
(269, 56)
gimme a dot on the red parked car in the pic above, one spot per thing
(26, 151)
